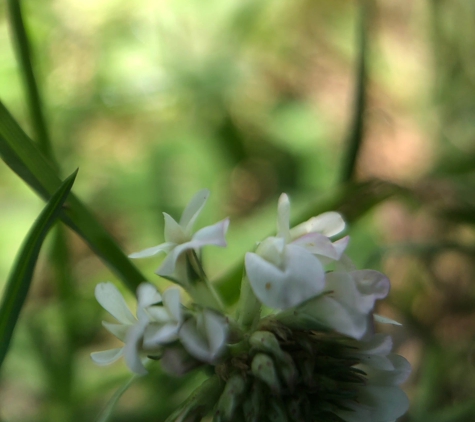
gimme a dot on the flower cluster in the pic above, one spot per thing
(301, 345)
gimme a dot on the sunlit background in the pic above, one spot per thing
(156, 99)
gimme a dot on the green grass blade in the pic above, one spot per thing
(21, 154)
(107, 412)
(33, 95)
(19, 281)
(355, 136)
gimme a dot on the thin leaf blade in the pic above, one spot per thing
(20, 278)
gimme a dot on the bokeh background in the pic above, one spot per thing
(156, 99)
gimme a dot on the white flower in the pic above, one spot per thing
(380, 399)
(153, 327)
(286, 270)
(179, 237)
(204, 336)
(345, 306)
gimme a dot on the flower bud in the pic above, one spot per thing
(230, 399)
(263, 368)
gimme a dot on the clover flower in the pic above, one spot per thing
(153, 327)
(315, 355)
(287, 269)
(179, 237)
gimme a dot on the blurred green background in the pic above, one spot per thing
(154, 100)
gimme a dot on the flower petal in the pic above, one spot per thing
(193, 210)
(107, 356)
(318, 244)
(132, 348)
(113, 302)
(118, 330)
(194, 342)
(212, 235)
(164, 247)
(325, 312)
(157, 335)
(171, 300)
(283, 217)
(173, 232)
(147, 295)
(383, 320)
(216, 331)
(328, 224)
(302, 278)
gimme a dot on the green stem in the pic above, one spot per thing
(33, 95)
(203, 285)
(355, 137)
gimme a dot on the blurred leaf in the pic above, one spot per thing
(25, 159)
(108, 410)
(19, 281)
(33, 94)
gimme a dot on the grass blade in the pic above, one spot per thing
(355, 137)
(33, 95)
(19, 281)
(21, 154)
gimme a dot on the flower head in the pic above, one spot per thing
(153, 327)
(287, 269)
(179, 236)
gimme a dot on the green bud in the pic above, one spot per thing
(230, 398)
(265, 341)
(254, 403)
(263, 369)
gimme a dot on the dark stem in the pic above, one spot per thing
(355, 136)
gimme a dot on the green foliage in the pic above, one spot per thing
(20, 278)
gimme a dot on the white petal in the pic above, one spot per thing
(383, 320)
(271, 249)
(157, 335)
(107, 356)
(328, 223)
(147, 295)
(379, 344)
(283, 217)
(400, 371)
(216, 331)
(164, 247)
(327, 312)
(132, 348)
(173, 232)
(158, 314)
(212, 235)
(171, 300)
(168, 265)
(113, 302)
(317, 244)
(340, 245)
(194, 342)
(118, 330)
(371, 283)
(301, 279)
(193, 210)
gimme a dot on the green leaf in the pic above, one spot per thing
(25, 159)
(19, 281)
(107, 412)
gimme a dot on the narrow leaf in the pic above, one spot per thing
(19, 281)
(25, 159)
(107, 412)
